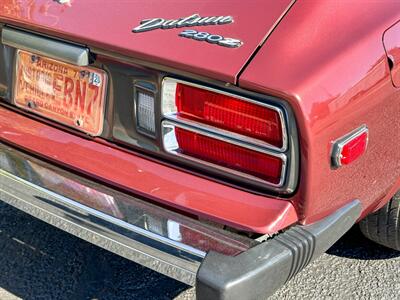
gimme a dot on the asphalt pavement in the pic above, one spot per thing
(38, 261)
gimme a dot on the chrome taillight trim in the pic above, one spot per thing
(173, 117)
(170, 146)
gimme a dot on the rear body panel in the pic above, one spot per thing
(148, 179)
(335, 74)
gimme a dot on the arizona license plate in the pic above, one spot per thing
(65, 93)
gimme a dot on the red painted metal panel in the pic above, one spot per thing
(108, 25)
(326, 58)
(149, 179)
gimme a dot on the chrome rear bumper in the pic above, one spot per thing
(221, 264)
(164, 241)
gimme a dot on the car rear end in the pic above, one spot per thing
(151, 150)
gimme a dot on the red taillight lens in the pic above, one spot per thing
(224, 131)
(228, 155)
(229, 113)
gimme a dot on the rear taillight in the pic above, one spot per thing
(229, 113)
(253, 121)
(224, 131)
(189, 143)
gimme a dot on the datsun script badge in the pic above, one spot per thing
(193, 20)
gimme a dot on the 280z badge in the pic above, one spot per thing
(211, 38)
(193, 20)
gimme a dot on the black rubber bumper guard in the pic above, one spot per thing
(261, 270)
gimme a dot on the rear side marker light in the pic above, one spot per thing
(219, 153)
(230, 114)
(350, 147)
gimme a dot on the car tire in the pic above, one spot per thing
(383, 226)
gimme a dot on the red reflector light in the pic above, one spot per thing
(229, 113)
(350, 147)
(237, 158)
(354, 149)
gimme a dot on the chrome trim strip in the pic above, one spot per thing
(170, 147)
(55, 49)
(338, 145)
(229, 134)
(97, 214)
(152, 236)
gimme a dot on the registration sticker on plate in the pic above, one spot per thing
(65, 93)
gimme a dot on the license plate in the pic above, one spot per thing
(65, 93)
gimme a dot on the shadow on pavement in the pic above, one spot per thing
(355, 245)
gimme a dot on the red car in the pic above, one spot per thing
(224, 144)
